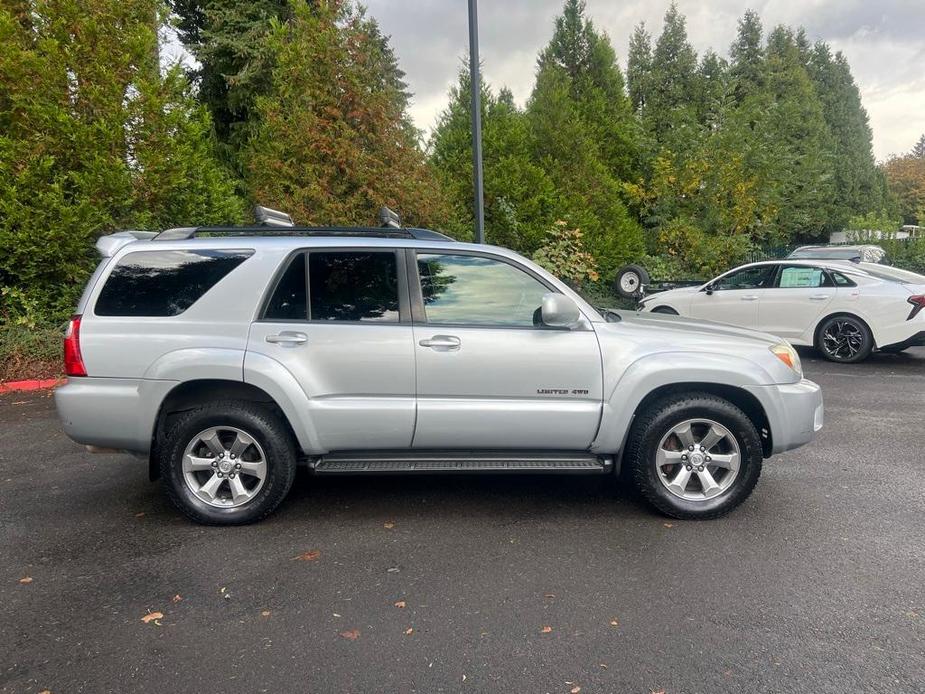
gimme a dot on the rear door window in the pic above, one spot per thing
(354, 286)
(802, 277)
(164, 283)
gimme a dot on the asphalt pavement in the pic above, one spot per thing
(476, 584)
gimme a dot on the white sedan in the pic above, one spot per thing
(844, 309)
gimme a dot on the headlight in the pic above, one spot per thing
(788, 355)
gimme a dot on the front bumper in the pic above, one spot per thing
(795, 412)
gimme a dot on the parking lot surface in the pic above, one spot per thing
(476, 584)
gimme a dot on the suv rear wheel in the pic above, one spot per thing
(694, 456)
(228, 463)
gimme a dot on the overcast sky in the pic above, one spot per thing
(884, 41)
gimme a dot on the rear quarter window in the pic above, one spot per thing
(164, 283)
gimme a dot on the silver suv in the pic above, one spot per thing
(228, 357)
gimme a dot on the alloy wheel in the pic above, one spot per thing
(842, 339)
(224, 466)
(698, 459)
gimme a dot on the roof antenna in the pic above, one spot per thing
(272, 218)
(389, 219)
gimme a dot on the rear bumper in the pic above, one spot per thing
(916, 340)
(111, 412)
(795, 412)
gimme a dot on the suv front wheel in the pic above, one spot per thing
(694, 456)
(228, 463)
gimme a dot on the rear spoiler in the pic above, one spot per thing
(110, 244)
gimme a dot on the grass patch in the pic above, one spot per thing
(30, 352)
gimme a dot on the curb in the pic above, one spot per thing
(34, 384)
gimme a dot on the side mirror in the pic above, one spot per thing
(559, 311)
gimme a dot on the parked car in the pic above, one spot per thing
(226, 356)
(864, 253)
(844, 309)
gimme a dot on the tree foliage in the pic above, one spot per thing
(93, 136)
(331, 142)
(906, 176)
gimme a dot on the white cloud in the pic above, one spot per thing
(880, 38)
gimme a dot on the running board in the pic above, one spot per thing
(427, 462)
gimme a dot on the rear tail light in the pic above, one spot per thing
(918, 303)
(73, 361)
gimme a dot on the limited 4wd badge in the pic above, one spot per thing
(561, 391)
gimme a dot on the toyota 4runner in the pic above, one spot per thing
(228, 356)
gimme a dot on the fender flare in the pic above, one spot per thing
(649, 373)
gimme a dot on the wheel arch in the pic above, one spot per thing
(666, 309)
(739, 397)
(187, 395)
(848, 314)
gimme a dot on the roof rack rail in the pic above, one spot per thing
(184, 233)
(276, 223)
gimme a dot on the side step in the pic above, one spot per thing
(392, 462)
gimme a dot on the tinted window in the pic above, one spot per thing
(353, 286)
(163, 283)
(759, 277)
(802, 277)
(465, 289)
(288, 301)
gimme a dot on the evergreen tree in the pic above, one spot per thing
(92, 137)
(331, 141)
(918, 150)
(519, 200)
(712, 86)
(584, 136)
(747, 56)
(794, 121)
(639, 67)
(857, 188)
(670, 111)
(229, 39)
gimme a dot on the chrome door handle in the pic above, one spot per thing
(750, 297)
(447, 342)
(819, 297)
(287, 338)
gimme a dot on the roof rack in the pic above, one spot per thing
(276, 223)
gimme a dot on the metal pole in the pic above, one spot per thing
(475, 85)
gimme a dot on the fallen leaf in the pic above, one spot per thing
(660, 691)
(265, 613)
(400, 604)
(389, 525)
(393, 570)
(310, 555)
(335, 614)
(574, 690)
(409, 631)
(139, 515)
(26, 580)
(667, 525)
(549, 595)
(604, 665)
(45, 691)
(152, 617)
(546, 630)
(176, 598)
(614, 622)
(351, 635)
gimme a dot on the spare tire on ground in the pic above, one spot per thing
(630, 280)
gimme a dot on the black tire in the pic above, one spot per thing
(667, 310)
(630, 281)
(844, 339)
(660, 418)
(259, 423)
